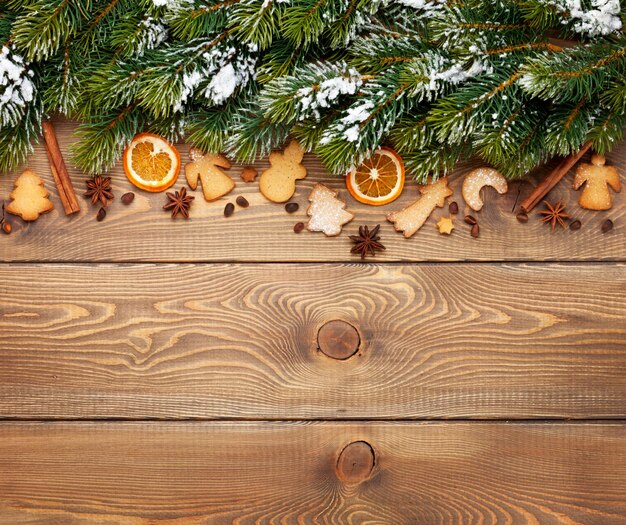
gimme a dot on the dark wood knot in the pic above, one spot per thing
(338, 339)
(356, 462)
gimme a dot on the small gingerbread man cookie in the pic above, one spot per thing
(278, 182)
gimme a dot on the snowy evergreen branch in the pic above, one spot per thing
(435, 80)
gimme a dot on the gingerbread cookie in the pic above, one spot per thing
(327, 212)
(445, 225)
(215, 183)
(30, 197)
(278, 182)
(411, 218)
(475, 180)
(248, 174)
(597, 178)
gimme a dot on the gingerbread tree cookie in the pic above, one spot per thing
(597, 178)
(278, 182)
(411, 218)
(327, 212)
(30, 198)
(215, 183)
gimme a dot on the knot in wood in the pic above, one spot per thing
(338, 339)
(356, 462)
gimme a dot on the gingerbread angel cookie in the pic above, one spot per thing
(597, 178)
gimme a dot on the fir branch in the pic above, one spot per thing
(305, 20)
(310, 90)
(614, 96)
(574, 73)
(512, 142)
(432, 162)
(62, 85)
(135, 33)
(281, 59)
(257, 21)
(166, 85)
(360, 129)
(460, 114)
(254, 136)
(567, 126)
(607, 129)
(592, 18)
(424, 157)
(200, 18)
(17, 87)
(16, 142)
(376, 53)
(344, 28)
(47, 24)
(480, 24)
(210, 128)
(103, 139)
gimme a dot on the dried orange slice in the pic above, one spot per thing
(378, 180)
(151, 162)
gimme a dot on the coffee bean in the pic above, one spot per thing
(291, 207)
(242, 201)
(576, 225)
(102, 213)
(127, 198)
(6, 227)
(229, 209)
(475, 231)
(470, 220)
(298, 227)
(453, 208)
(522, 217)
(607, 226)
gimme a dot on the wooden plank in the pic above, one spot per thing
(263, 232)
(240, 341)
(246, 473)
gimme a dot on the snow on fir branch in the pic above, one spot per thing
(600, 18)
(151, 34)
(309, 91)
(16, 87)
(426, 6)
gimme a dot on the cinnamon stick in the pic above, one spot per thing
(59, 170)
(552, 178)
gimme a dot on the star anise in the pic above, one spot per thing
(99, 189)
(366, 242)
(555, 213)
(179, 202)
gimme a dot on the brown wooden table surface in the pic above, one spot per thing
(169, 372)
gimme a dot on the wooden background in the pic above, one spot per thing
(158, 371)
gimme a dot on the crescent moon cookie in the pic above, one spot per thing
(475, 180)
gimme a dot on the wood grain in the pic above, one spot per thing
(286, 473)
(264, 231)
(240, 341)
